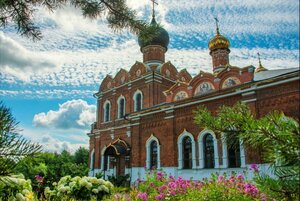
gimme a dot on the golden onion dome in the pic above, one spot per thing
(218, 42)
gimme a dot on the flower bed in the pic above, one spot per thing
(159, 186)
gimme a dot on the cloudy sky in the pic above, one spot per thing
(49, 84)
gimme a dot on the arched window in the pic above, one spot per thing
(153, 154)
(234, 154)
(208, 146)
(106, 111)
(187, 152)
(121, 107)
(138, 101)
(208, 149)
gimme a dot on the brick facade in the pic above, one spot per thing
(168, 99)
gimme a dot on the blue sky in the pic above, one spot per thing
(49, 84)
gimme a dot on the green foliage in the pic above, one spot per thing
(13, 147)
(15, 187)
(120, 180)
(276, 135)
(117, 13)
(53, 166)
(77, 188)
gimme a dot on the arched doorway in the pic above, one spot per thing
(118, 153)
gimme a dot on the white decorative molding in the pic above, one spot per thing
(201, 135)
(112, 135)
(238, 91)
(242, 154)
(169, 117)
(179, 144)
(102, 158)
(249, 100)
(128, 133)
(104, 111)
(92, 159)
(224, 151)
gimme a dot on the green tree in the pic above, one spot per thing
(117, 13)
(13, 147)
(275, 134)
(81, 156)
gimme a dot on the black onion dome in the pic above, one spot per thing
(162, 38)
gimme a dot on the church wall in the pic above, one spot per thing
(283, 97)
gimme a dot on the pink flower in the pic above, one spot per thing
(142, 196)
(159, 176)
(220, 178)
(163, 187)
(240, 176)
(39, 178)
(254, 167)
(160, 196)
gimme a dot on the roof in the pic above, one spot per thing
(262, 75)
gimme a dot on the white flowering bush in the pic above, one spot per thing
(17, 188)
(79, 188)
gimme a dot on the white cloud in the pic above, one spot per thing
(51, 144)
(17, 60)
(71, 114)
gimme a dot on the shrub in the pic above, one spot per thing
(16, 188)
(79, 188)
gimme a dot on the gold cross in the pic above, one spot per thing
(259, 58)
(153, 12)
(217, 25)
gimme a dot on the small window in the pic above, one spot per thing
(153, 154)
(187, 152)
(121, 108)
(107, 112)
(208, 146)
(138, 101)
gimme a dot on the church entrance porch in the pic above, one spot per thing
(116, 158)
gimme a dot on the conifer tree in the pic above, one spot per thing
(13, 146)
(117, 13)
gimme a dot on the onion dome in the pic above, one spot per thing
(218, 42)
(162, 38)
(260, 66)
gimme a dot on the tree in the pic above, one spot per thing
(13, 146)
(275, 134)
(117, 13)
(81, 156)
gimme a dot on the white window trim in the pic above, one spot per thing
(102, 158)
(134, 99)
(179, 144)
(225, 152)
(124, 109)
(92, 159)
(201, 148)
(104, 111)
(148, 143)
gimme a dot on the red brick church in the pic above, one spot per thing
(145, 115)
